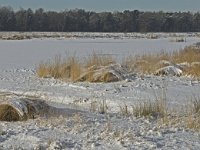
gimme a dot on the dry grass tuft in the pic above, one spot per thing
(22, 109)
(194, 71)
(8, 113)
(43, 70)
(103, 107)
(188, 118)
(72, 69)
(149, 63)
(193, 118)
(100, 107)
(55, 69)
(148, 108)
(189, 54)
(193, 122)
(146, 64)
(98, 60)
(93, 63)
(124, 110)
(195, 105)
(60, 68)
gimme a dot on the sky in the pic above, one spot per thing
(106, 5)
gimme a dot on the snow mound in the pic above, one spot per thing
(184, 65)
(195, 64)
(111, 73)
(164, 62)
(169, 70)
(21, 109)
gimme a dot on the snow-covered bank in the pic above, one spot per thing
(179, 90)
(74, 126)
(91, 35)
(93, 131)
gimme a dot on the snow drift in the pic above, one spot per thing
(111, 73)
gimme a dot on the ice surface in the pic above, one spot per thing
(28, 53)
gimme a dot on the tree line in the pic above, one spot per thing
(79, 20)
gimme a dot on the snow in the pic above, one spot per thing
(27, 53)
(169, 70)
(72, 123)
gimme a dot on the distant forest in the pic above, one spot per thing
(79, 20)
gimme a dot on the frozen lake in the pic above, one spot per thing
(28, 53)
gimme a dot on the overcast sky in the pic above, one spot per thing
(106, 5)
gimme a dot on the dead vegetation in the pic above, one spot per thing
(93, 69)
(193, 118)
(187, 117)
(98, 68)
(98, 60)
(8, 113)
(156, 108)
(60, 68)
(124, 110)
(148, 63)
(22, 109)
(187, 60)
(148, 108)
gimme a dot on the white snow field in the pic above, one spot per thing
(73, 124)
(28, 53)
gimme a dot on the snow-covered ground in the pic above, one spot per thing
(73, 125)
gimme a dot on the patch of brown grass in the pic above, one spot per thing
(193, 122)
(43, 70)
(95, 61)
(72, 69)
(98, 60)
(23, 109)
(196, 105)
(193, 118)
(8, 113)
(145, 64)
(148, 108)
(188, 54)
(149, 63)
(56, 69)
(156, 108)
(60, 68)
(194, 71)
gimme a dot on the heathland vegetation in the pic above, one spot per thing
(186, 61)
(80, 20)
